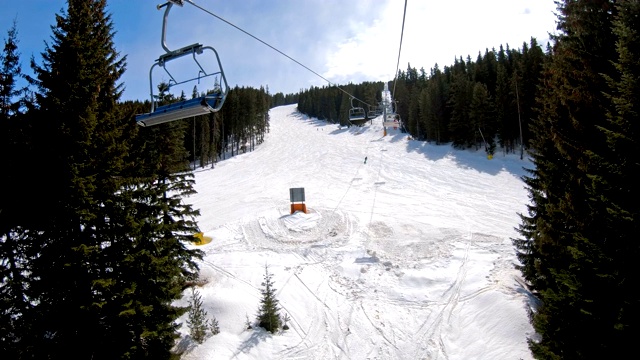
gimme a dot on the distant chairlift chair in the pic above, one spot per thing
(356, 114)
(374, 112)
(203, 105)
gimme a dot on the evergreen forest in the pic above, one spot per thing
(105, 244)
(484, 103)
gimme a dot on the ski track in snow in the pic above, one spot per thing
(404, 257)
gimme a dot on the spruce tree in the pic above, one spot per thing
(205, 139)
(569, 254)
(507, 129)
(343, 113)
(197, 320)
(108, 244)
(482, 116)
(14, 134)
(433, 107)
(77, 90)
(529, 84)
(13, 211)
(616, 187)
(414, 119)
(82, 143)
(160, 264)
(268, 313)
(10, 73)
(462, 130)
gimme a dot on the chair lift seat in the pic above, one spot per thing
(356, 114)
(182, 109)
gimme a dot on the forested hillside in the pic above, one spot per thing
(485, 102)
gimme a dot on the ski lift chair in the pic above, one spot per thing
(356, 113)
(203, 105)
(372, 113)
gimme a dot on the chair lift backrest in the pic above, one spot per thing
(356, 113)
(374, 111)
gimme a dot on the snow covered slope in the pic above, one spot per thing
(405, 257)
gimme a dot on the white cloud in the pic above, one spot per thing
(437, 32)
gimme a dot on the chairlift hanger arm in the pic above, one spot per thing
(168, 6)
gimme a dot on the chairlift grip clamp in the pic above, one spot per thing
(175, 2)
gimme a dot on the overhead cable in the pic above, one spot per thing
(395, 77)
(274, 48)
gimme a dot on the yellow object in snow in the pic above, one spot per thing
(200, 239)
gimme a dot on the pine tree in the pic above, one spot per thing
(433, 107)
(569, 253)
(529, 83)
(482, 116)
(414, 121)
(345, 106)
(268, 314)
(231, 117)
(108, 244)
(205, 139)
(215, 124)
(161, 264)
(78, 137)
(506, 131)
(213, 326)
(616, 186)
(461, 128)
(10, 73)
(14, 137)
(197, 320)
(13, 211)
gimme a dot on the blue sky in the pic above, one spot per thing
(343, 40)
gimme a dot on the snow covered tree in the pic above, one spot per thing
(269, 312)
